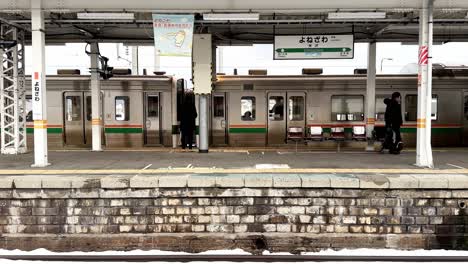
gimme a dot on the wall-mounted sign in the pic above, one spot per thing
(37, 96)
(314, 47)
(173, 34)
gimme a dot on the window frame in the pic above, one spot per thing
(223, 106)
(254, 105)
(346, 114)
(126, 100)
(436, 96)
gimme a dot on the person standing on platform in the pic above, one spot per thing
(187, 122)
(396, 121)
(388, 141)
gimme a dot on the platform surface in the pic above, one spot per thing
(448, 160)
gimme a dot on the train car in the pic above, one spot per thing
(319, 111)
(263, 110)
(136, 111)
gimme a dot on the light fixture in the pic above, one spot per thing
(357, 15)
(116, 16)
(231, 16)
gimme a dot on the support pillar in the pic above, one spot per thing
(39, 89)
(423, 143)
(202, 83)
(135, 60)
(12, 92)
(96, 114)
(370, 95)
(203, 147)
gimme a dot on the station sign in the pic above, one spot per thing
(173, 34)
(37, 96)
(300, 47)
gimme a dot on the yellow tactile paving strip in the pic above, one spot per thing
(233, 171)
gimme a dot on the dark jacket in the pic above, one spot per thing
(393, 116)
(189, 114)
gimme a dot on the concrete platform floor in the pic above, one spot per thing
(444, 159)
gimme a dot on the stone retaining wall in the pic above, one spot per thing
(255, 212)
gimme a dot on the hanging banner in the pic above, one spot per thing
(173, 34)
(314, 47)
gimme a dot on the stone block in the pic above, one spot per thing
(286, 181)
(373, 181)
(173, 181)
(115, 182)
(431, 181)
(259, 181)
(403, 181)
(316, 181)
(457, 181)
(139, 181)
(230, 181)
(201, 181)
(54, 182)
(344, 181)
(28, 182)
(80, 182)
(6, 182)
(283, 228)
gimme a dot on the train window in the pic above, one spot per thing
(411, 107)
(122, 108)
(466, 107)
(29, 114)
(380, 108)
(73, 111)
(153, 106)
(218, 106)
(247, 108)
(347, 108)
(276, 108)
(296, 108)
(89, 113)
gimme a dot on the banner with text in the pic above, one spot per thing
(173, 34)
(314, 47)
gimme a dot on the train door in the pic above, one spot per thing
(465, 118)
(74, 124)
(78, 118)
(152, 110)
(276, 118)
(219, 116)
(296, 110)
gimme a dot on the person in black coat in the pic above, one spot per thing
(187, 122)
(393, 122)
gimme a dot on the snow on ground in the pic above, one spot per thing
(328, 252)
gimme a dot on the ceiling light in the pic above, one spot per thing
(231, 16)
(117, 16)
(357, 15)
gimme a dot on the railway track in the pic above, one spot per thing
(233, 258)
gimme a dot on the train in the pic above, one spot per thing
(319, 111)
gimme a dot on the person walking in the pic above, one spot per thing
(187, 122)
(393, 122)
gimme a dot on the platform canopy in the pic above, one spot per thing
(276, 17)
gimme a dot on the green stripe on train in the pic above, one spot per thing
(252, 130)
(435, 130)
(124, 130)
(50, 130)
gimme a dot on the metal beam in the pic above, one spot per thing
(12, 91)
(226, 5)
(96, 104)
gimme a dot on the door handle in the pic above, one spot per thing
(223, 123)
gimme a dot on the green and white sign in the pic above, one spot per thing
(314, 47)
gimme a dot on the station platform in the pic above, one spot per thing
(233, 160)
